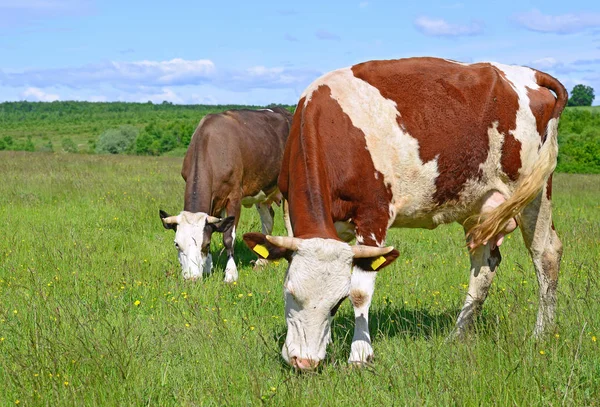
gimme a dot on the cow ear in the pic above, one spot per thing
(223, 224)
(163, 217)
(376, 263)
(258, 243)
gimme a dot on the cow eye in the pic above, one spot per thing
(177, 245)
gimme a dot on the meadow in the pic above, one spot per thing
(94, 311)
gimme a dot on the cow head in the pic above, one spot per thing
(192, 239)
(316, 282)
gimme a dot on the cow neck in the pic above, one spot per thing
(304, 181)
(197, 191)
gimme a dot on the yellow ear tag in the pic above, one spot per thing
(261, 250)
(377, 262)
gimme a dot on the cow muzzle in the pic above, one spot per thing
(305, 365)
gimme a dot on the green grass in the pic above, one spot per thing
(81, 243)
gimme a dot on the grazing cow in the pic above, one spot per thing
(233, 159)
(412, 143)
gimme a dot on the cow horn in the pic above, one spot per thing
(170, 220)
(361, 251)
(212, 219)
(286, 242)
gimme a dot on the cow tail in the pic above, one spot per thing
(531, 184)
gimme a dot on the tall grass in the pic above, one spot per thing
(93, 310)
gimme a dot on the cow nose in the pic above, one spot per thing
(304, 364)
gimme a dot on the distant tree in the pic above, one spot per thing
(69, 145)
(581, 95)
(117, 141)
(6, 143)
(48, 147)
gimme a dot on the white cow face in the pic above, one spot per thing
(192, 240)
(317, 280)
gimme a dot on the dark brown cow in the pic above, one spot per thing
(412, 143)
(233, 159)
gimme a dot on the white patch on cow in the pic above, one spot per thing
(265, 110)
(317, 279)
(394, 152)
(376, 175)
(523, 78)
(233, 233)
(374, 239)
(188, 239)
(231, 272)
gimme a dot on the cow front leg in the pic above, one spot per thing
(231, 272)
(267, 216)
(362, 286)
(484, 261)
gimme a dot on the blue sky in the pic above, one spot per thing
(261, 52)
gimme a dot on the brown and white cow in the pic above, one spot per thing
(233, 159)
(412, 143)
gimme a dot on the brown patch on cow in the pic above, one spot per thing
(541, 103)
(550, 267)
(548, 81)
(328, 174)
(449, 108)
(358, 297)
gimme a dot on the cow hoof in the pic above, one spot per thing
(260, 263)
(230, 278)
(231, 273)
(458, 334)
(361, 354)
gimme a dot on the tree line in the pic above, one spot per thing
(158, 129)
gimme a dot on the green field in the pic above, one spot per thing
(94, 312)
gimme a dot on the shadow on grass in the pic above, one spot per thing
(391, 321)
(243, 256)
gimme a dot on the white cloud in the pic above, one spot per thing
(38, 95)
(155, 80)
(166, 94)
(327, 35)
(437, 27)
(535, 20)
(267, 78)
(557, 67)
(118, 74)
(545, 63)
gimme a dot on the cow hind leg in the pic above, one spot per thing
(267, 216)
(484, 262)
(545, 249)
(233, 209)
